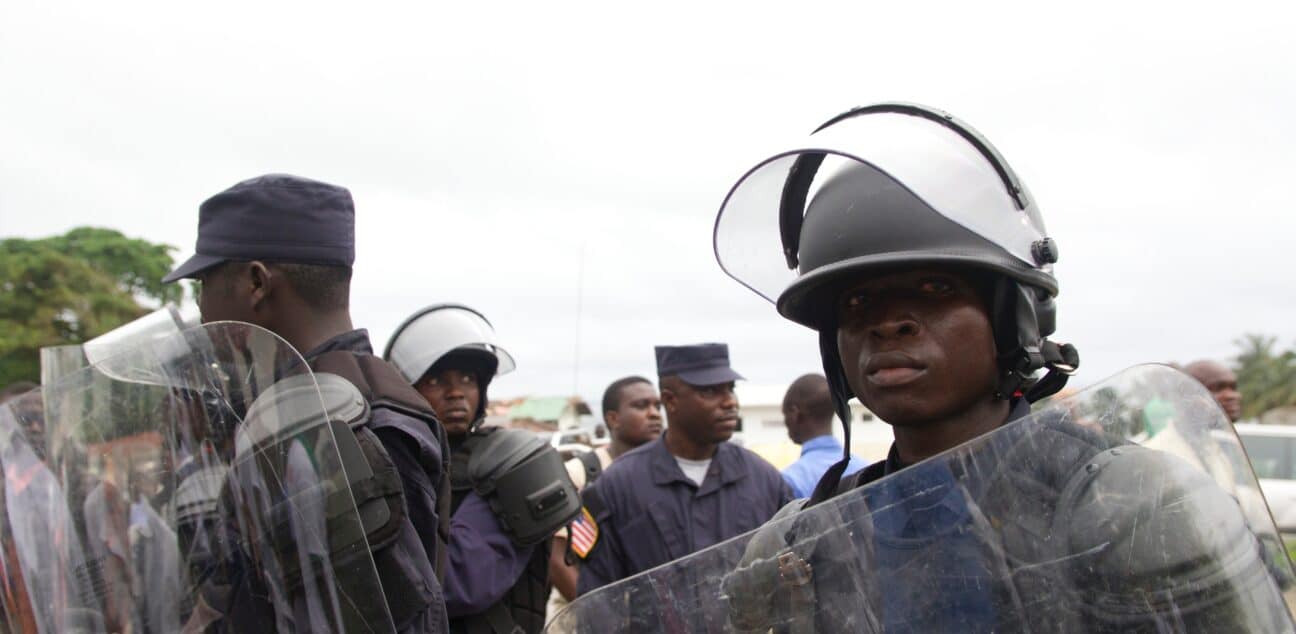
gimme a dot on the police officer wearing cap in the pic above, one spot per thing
(922, 261)
(688, 489)
(497, 578)
(276, 251)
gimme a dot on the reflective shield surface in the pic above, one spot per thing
(1127, 507)
(183, 481)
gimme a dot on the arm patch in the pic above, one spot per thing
(584, 530)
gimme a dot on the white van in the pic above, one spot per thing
(1272, 449)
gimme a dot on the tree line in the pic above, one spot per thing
(71, 288)
(1266, 374)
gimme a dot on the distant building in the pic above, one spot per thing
(544, 414)
(761, 409)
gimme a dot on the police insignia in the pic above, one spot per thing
(584, 533)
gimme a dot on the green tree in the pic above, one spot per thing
(1266, 376)
(70, 288)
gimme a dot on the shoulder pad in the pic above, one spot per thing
(475, 439)
(342, 401)
(593, 466)
(493, 453)
(379, 382)
(298, 403)
(524, 481)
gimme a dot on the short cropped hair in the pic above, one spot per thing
(612, 395)
(322, 287)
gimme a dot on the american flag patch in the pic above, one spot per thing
(584, 533)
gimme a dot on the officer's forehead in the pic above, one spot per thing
(637, 390)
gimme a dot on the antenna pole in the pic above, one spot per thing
(580, 304)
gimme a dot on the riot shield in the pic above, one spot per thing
(187, 480)
(1122, 508)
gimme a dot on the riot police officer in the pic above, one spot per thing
(901, 236)
(497, 577)
(276, 251)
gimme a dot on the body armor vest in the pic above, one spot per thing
(383, 387)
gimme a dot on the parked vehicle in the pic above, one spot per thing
(1272, 449)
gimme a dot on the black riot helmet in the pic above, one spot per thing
(896, 185)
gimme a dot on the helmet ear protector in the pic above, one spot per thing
(1023, 317)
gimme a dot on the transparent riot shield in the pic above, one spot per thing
(1123, 508)
(188, 481)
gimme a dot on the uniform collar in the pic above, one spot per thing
(353, 341)
(725, 464)
(1018, 408)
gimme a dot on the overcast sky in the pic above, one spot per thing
(489, 146)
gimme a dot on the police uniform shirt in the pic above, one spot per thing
(484, 562)
(651, 513)
(1018, 409)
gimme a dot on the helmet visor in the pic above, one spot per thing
(758, 225)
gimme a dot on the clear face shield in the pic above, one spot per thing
(435, 331)
(943, 162)
(187, 479)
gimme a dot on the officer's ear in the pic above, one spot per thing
(668, 398)
(261, 282)
(792, 416)
(610, 421)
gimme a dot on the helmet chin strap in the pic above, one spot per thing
(840, 390)
(1019, 317)
(1061, 361)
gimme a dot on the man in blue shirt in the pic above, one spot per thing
(808, 415)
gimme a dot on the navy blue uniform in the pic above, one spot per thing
(651, 513)
(484, 561)
(416, 452)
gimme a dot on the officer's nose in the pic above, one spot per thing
(654, 410)
(895, 326)
(729, 399)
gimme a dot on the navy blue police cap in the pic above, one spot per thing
(699, 364)
(277, 218)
